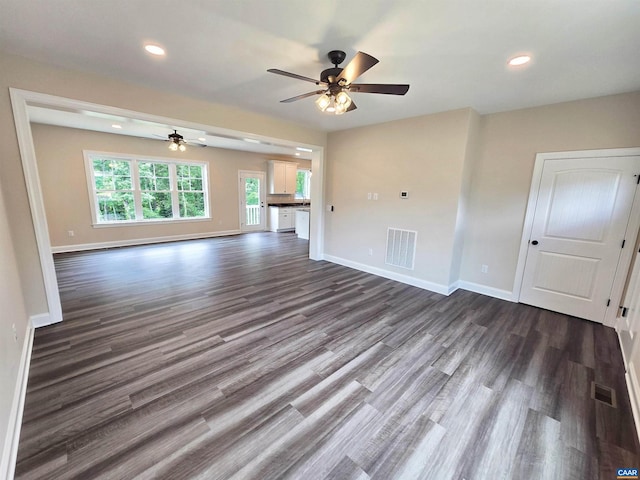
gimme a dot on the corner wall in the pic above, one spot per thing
(425, 156)
(12, 349)
(508, 145)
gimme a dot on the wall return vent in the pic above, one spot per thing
(401, 248)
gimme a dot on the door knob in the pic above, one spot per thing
(534, 242)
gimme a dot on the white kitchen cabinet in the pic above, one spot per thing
(282, 177)
(302, 223)
(282, 219)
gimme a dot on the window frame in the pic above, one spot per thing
(307, 185)
(134, 160)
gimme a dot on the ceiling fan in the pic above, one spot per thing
(177, 141)
(337, 83)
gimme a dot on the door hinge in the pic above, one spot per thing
(625, 310)
(623, 241)
(638, 179)
(608, 302)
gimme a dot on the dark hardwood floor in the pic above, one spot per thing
(240, 358)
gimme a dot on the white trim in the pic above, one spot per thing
(19, 99)
(634, 396)
(80, 247)
(36, 202)
(151, 221)
(10, 450)
(41, 320)
(399, 277)
(632, 228)
(486, 290)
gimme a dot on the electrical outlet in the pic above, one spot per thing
(371, 251)
(484, 268)
(375, 196)
(369, 196)
(71, 233)
(15, 333)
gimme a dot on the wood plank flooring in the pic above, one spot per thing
(239, 358)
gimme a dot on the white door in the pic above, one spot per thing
(579, 225)
(252, 200)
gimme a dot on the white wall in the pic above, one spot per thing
(12, 312)
(61, 169)
(426, 156)
(508, 143)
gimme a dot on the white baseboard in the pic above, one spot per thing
(140, 241)
(485, 290)
(399, 277)
(10, 451)
(42, 320)
(634, 395)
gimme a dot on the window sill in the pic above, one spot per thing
(138, 223)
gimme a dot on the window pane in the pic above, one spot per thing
(162, 170)
(191, 204)
(122, 183)
(156, 205)
(146, 183)
(196, 184)
(145, 169)
(115, 206)
(195, 171)
(182, 170)
(162, 184)
(302, 184)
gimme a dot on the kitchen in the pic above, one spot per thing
(289, 198)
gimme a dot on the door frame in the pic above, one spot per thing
(631, 234)
(20, 99)
(263, 199)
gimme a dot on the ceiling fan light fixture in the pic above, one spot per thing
(176, 142)
(323, 102)
(340, 108)
(342, 98)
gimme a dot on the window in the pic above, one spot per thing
(303, 184)
(127, 189)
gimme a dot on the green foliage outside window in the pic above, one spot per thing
(160, 192)
(252, 189)
(190, 191)
(302, 184)
(113, 190)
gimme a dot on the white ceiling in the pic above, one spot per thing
(453, 53)
(135, 127)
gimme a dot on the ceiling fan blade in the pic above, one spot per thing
(352, 106)
(295, 75)
(388, 88)
(356, 67)
(300, 97)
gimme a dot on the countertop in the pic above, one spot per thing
(296, 205)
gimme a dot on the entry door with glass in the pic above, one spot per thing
(252, 201)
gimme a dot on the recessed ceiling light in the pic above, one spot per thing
(519, 60)
(115, 125)
(154, 49)
(251, 140)
(303, 149)
(298, 154)
(202, 139)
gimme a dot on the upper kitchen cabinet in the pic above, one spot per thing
(282, 177)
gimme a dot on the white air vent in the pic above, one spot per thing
(401, 247)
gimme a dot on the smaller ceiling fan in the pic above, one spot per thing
(337, 83)
(177, 141)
